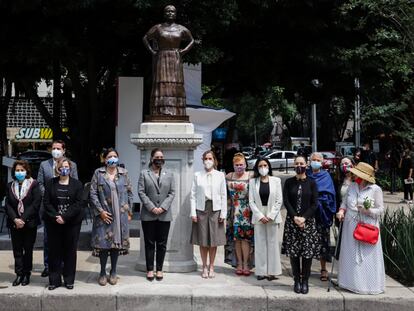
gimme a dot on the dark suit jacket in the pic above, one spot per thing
(74, 213)
(31, 206)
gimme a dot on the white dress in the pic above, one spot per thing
(361, 265)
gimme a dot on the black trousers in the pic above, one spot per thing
(62, 242)
(408, 191)
(23, 241)
(155, 238)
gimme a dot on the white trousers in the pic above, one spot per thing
(266, 249)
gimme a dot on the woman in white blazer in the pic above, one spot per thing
(265, 200)
(208, 211)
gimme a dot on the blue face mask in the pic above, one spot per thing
(112, 161)
(20, 176)
(316, 165)
(64, 171)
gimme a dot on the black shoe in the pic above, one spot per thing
(297, 287)
(159, 278)
(271, 278)
(305, 287)
(45, 273)
(18, 280)
(150, 278)
(52, 287)
(69, 286)
(26, 280)
(260, 277)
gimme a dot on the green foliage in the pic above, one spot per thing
(397, 231)
(382, 56)
(383, 179)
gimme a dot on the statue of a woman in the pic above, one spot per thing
(168, 93)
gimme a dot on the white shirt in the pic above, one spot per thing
(209, 187)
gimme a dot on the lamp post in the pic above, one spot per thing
(357, 122)
(317, 84)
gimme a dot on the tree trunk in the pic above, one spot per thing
(31, 93)
(4, 106)
(56, 99)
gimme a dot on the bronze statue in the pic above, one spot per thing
(168, 93)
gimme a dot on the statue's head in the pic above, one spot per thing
(170, 13)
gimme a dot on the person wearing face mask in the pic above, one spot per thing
(361, 265)
(111, 199)
(47, 170)
(326, 208)
(63, 216)
(342, 181)
(239, 229)
(23, 197)
(208, 200)
(265, 200)
(156, 189)
(300, 237)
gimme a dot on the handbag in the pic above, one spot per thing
(366, 233)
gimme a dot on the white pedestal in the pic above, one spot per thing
(178, 141)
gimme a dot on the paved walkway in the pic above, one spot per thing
(185, 291)
(188, 291)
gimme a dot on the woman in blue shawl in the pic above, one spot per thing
(326, 208)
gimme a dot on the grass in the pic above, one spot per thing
(397, 236)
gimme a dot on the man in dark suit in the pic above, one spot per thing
(46, 173)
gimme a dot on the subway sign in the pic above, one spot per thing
(34, 133)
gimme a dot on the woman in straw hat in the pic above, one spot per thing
(361, 265)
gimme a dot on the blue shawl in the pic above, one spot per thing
(326, 197)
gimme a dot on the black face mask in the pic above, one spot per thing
(158, 162)
(300, 169)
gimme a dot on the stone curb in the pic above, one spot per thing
(157, 296)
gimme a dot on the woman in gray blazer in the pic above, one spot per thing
(156, 189)
(111, 196)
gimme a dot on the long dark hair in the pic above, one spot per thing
(256, 167)
(153, 152)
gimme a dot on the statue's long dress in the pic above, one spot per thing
(168, 94)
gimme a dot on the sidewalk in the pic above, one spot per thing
(185, 291)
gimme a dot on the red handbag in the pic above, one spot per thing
(366, 233)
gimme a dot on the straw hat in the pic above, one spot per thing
(365, 171)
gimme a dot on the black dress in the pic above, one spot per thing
(300, 199)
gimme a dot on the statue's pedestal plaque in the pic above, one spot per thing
(178, 141)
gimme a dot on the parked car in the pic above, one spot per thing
(34, 157)
(277, 159)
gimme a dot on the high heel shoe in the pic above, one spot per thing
(211, 273)
(204, 273)
(150, 277)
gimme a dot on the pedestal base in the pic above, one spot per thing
(177, 141)
(171, 266)
(167, 119)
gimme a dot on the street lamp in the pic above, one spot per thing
(317, 84)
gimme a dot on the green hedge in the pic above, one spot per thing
(397, 235)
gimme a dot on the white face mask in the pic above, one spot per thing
(263, 171)
(56, 153)
(208, 164)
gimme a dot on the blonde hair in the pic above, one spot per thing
(239, 157)
(60, 163)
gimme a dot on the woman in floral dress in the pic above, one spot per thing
(239, 229)
(111, 198)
